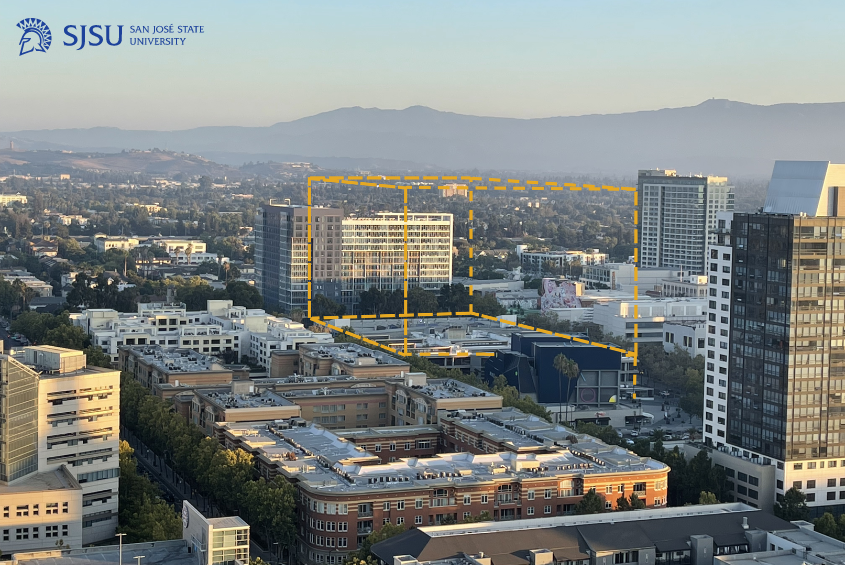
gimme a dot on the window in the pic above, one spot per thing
(531, 494)
(831, 482)
(796, 485)
(797, 466)
(392, 447)
(418, 519)
(831, 496)
(622, 488)
(530, 510)
(483, 499)
(407, 446)
(811, 497)
(467, 500)
(22, 533)
(608, 505)
(418, 502)
(385, 506)
(547, 493)
(547, 509)
(811, 484)
(377, 448)
(341, 542)
(400, 505)
(608, 489)
(400, 520)
(424, 444)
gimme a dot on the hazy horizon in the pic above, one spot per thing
(270, 62)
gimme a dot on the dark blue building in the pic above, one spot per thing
(529, 366)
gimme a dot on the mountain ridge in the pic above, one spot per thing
(717, 136)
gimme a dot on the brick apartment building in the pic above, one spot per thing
(346, 492)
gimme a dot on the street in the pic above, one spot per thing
(175, 489)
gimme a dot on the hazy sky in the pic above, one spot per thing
(261, 62)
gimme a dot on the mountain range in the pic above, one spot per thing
(714, 137)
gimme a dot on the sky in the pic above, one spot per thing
(263, 62)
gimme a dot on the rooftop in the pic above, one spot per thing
(573, 537)
(174, 552)
(175, 360)
(349, 354)
(321, 459)
(58, 479)
(229, 400)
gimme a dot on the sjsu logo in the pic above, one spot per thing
(36, 36)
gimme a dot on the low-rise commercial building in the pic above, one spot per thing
(689, 336)
(155, 365)
(648, 315)
(348, 359)
(693, 535)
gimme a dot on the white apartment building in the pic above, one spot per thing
(374, 252)
(174, 245)
(59, 477)
(689, 336)
(625, 276)
(221, 328)
(646, 316)
(282, 334)
(678, 216)
(105, 243)
(719, 285)
(560, 259)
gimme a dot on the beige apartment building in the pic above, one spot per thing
(63, 436)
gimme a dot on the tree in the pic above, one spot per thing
(323, 306)
(565, 366)
(792, 506)
(143, 516)
(590, 503)
(487, 304)
(483, 517)
(420, 300)
(636, 502)
(826, 525)
(707, 498)
(364, 553)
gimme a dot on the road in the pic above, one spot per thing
(175, 489)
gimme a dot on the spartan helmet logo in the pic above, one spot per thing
(36, 36)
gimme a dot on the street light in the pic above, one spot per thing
(139, 557)
(120, 551)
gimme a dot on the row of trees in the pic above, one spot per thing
(143, 515)
(452, 298)
(97, 292)
(225, 476)
(676, 370)
(688, 479)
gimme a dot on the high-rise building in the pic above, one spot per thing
(678, 213)
(374, 252)
(349, 255)
(59, 444)
(719, 269)
(786, 375)
(281, 254)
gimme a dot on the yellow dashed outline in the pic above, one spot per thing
(491, 183)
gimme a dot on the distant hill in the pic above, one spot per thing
(715, 137)
(150, 162)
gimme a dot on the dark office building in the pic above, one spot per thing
(787, 370)
(281, 255)
(529, 366)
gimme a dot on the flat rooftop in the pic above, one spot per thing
(59, 479)
(229, 400)
(174, 552)
(176, 360)
(322, 459)
(350, 354)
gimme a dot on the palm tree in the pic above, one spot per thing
(189, 251)
(564, 366)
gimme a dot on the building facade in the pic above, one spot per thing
(719, 267)
(348, 255)
(60, 448)
(678, 213)
(786, 374)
